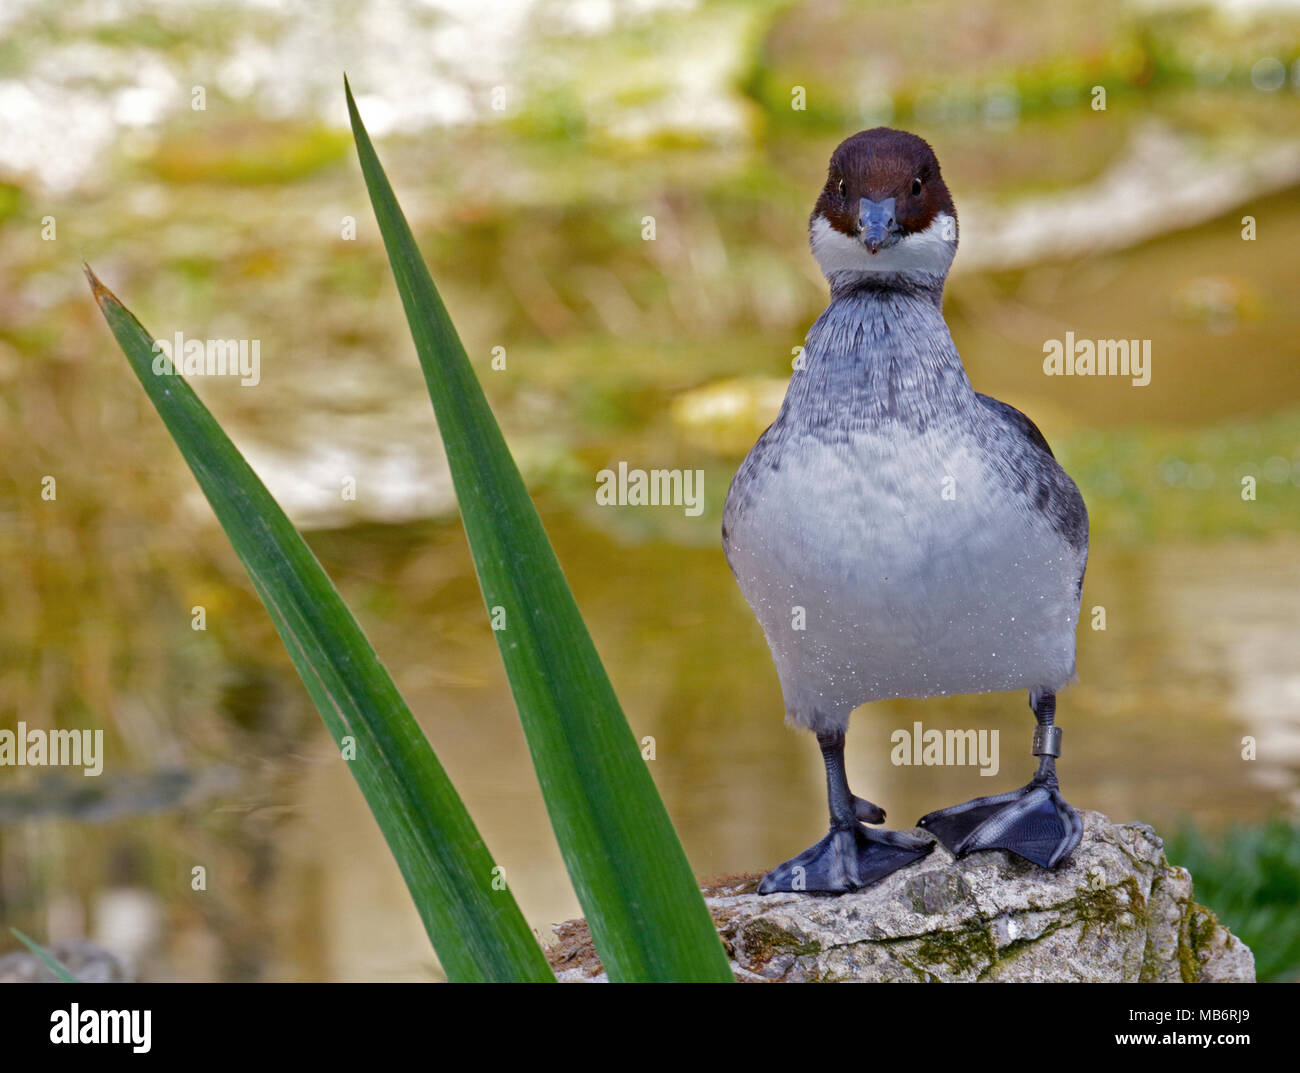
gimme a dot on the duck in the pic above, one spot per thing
(897, 533)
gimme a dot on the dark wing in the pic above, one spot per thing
(1015, 417)
(1053, 492)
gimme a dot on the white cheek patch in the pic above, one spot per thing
(929, 252)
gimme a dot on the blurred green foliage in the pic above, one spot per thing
(1250, 876)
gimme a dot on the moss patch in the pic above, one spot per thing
(763, 940)
(966, 950)
(1199, 928)
(1106, 906)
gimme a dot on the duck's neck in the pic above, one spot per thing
(880, 353)
(883, 285)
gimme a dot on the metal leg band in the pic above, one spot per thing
(1047, 741)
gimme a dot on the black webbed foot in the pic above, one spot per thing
(849, 858)
(867, 812)
(1034, 822)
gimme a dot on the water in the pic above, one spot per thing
(1195, 656)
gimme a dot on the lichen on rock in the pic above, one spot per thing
(1117, 910)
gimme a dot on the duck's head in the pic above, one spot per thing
(884, 212)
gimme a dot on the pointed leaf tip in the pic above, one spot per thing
(96, 288)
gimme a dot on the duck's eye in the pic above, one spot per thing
(916, 187)
(840, 188)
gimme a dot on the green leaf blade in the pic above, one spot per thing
(479, 933)
(61, 972)
(647, 917)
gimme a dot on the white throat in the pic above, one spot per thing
(927, 253)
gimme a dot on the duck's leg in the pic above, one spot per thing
(1034, 821)
(850, 856)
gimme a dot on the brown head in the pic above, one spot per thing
(884, 209)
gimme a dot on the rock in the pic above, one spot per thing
(1117, 910)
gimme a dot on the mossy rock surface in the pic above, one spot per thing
(1117, 910)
